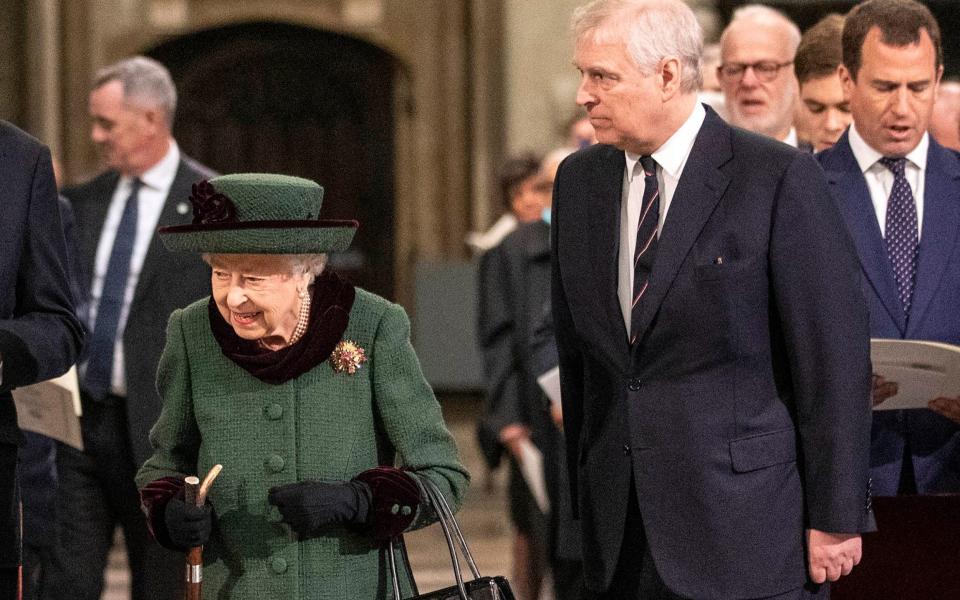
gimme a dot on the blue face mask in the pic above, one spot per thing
(545, 216)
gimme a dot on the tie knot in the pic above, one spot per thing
(649, 166)
(896, 165)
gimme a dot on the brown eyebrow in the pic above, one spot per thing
(898, 84)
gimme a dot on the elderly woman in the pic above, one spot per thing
(305, 389)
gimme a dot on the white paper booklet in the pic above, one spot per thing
(52, 408)
(922, 370)
(550, 384)
(531, 466)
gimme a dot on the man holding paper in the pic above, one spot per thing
(40, 336)
(898, 192)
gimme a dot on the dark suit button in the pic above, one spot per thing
(626, 449)
(634, 385)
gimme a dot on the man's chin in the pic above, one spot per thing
(823, 145)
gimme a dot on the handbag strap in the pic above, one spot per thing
(393, 572)
(441, 502)
(451, 530)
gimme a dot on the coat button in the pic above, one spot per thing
(274, 412)
(278, 565)
(626, 449)
(634, 385)
(274, 463)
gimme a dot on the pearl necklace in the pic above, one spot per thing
(303, 320)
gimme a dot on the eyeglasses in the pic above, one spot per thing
(765, 70)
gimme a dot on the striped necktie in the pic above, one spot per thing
(646, 248)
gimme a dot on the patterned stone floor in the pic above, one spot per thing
(483, 519)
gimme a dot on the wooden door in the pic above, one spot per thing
(269, 97)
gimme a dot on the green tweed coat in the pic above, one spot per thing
(322, 425)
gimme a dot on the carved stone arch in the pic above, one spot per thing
(276, 97)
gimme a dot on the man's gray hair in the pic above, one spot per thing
(652, 30)
(145, 82)
(764, 15)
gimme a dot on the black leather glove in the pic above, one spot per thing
(308, 506)
(188, 526)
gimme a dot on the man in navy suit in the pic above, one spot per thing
(133, 284)
(898, 191)
(713, 349)
(40, 336)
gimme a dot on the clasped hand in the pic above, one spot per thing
(308, 506)
(188, 525)
(832, 555)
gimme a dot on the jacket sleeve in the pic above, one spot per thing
(175, 437)
(825, 327)
(498, 331)
(568, 349)
(41, 339)
(411, 415)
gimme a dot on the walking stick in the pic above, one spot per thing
(195, 493)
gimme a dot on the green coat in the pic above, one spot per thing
(322, 425)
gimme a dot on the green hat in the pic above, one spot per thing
(258, 213)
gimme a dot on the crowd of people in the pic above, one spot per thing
(675, 315)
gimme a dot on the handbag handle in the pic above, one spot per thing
(450, 527)
(452, 520)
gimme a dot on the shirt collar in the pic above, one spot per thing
(867, 157)
(672, 155)
(160, 176)
(791, 139)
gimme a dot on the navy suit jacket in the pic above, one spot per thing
(514, 284)
(934, 314)
(742, 414)
(40, 336)
(168, 281)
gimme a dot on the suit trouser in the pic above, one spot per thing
(97, 492)
(9, 521)
(636, 576)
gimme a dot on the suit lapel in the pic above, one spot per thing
(941, 220)
(154, 261)
(853, 199)
(606, 193)
(700, 187)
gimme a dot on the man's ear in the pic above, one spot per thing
(155, 118)
(669, 72)
(847, 81)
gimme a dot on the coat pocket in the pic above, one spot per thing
(764, 450)
(724, 270)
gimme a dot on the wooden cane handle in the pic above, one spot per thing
(191, 489)
(207, 482)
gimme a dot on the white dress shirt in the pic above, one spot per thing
(792, 139)
(880, 179)
(150, 200)
(670, 158)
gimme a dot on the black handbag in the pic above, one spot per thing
(479, 588)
